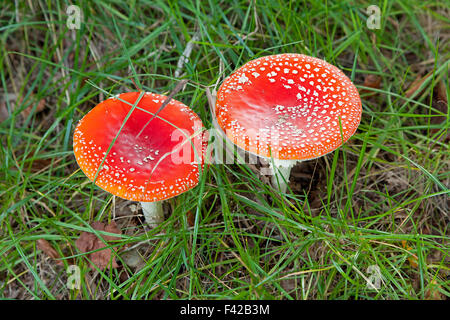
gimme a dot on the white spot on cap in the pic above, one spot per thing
(243, 78)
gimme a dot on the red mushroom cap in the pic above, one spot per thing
(290, 106)
(155, 165)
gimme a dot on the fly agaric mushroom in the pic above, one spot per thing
(288, 107)
(147, 162)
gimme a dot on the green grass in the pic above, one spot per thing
(380, 200)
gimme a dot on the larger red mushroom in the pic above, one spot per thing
(132, 158)
(288, 107)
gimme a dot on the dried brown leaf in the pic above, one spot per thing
(432, 292)
(412, 259)
(39, 107)
(3, 112)
(441, 106)
(190, 219)
(112, 228)
(441, 92)
(15, 101)
(372, 81)
(90, 242)
(41, 164)
(48, 249)
(415, 85)
(440, 103)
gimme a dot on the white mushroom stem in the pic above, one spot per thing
(153, 213)
(281, 171)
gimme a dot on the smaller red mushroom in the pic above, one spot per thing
(137, 159)
(289, 108)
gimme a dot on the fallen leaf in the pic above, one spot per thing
(190, 219)
(371, 81)
(440, 103)
(441, 92)
(432, 291)
(15, 102)
(39, 107)
(48, 249)
(89, 242)
(412, 259)
(41, 164)
(3, 112)
(415, 85)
